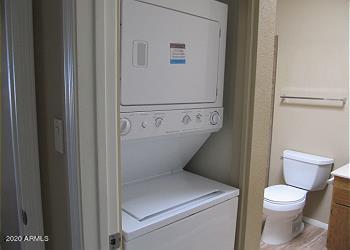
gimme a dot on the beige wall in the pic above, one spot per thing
(238, 154)
(218, 158)
(258, 114)
(312, 61)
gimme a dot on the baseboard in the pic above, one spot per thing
(315, 223)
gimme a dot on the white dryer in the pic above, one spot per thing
(172, 68)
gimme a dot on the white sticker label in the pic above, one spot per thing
(177, 53)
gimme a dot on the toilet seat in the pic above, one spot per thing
(284, 198)
(284, 194)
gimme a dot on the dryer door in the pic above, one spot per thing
(168, 56)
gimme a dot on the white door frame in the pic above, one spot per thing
(91, 70)
(71, 123)
(21, 197)
(97, 92)
(107, 51)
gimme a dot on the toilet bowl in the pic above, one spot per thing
(283, 204)
(283, 207)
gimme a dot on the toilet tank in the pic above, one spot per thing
(306, 171)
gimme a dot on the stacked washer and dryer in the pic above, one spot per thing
(172, 75)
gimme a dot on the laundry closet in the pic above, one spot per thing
(172, 105)
(156, 100)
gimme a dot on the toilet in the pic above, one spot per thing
(283, 204)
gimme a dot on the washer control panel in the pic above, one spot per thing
(156, 123)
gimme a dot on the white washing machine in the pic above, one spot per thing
(172, 69)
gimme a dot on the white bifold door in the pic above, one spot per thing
(21, 212)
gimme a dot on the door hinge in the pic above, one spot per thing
(114, 241)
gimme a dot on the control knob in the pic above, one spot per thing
(158, 121)
(144, 124)
(186, 120)
(214, 118)
(125, 126)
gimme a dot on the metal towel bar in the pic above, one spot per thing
(284, 97)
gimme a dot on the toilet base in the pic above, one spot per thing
(280, 229)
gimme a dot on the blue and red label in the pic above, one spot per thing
(177, 53)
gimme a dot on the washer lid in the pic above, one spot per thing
(153, 197)
(284, 194)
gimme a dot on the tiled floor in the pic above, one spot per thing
(313, 238)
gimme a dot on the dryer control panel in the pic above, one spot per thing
(156, 123)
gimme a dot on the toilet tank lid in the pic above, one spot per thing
(309, 158)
